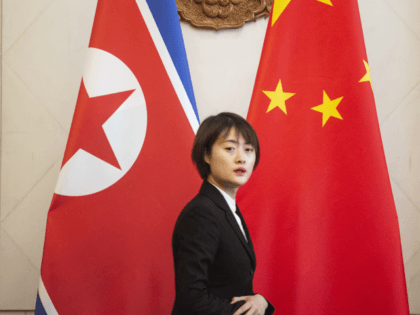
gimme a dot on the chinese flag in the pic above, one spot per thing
(319, 206)
(127, 171)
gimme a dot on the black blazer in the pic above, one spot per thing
(213, 261)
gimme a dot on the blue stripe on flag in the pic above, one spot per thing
(39, 308)
(166, 16)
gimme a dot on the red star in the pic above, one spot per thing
(87, 132)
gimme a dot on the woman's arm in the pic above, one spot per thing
(194, 243)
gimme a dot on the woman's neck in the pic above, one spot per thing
(231, 191)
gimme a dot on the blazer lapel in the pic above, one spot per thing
(210, 191)
(247, 245)
(248, 236)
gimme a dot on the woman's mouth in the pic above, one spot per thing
(240, 171)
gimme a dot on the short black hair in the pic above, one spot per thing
(210, 130)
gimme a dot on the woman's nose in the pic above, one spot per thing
(240, 156)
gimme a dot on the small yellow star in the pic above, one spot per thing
(278, 8)
(366, 78)
(328, 108)
(326, 2)
(278, 98)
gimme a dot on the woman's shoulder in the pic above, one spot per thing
(198, 220)
(200, 204)
(201, 210)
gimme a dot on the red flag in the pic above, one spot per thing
(319, 206)
(126, 174)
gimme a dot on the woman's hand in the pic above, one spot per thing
(254, 304)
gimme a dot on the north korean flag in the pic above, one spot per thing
(126, 172)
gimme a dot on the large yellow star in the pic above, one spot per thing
(366, 78)
(326, 2)
(278, 98)
(278, 8)
(280, 5)
(328, 108)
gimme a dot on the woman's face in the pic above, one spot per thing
(231, 161)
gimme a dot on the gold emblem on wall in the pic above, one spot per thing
(222, 14)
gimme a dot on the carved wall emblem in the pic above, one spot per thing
(220, 14)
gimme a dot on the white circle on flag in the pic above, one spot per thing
(84, 173)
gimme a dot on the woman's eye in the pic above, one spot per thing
(230, 148)
(249, 150)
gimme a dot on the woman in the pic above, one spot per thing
(213, 254)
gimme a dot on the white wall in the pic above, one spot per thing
(43, 55)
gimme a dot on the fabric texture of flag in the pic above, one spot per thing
(319, 206)
(126, 172)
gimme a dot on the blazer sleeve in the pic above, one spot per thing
(194, 244)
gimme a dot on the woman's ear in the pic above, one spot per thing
(206, 158)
